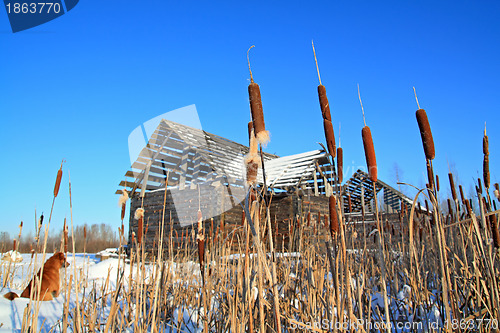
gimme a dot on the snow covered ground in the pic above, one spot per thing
(11, 312)
(97, 277)
(91, 273)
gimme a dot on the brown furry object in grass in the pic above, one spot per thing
(51, 285)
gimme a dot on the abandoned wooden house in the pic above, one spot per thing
(182, 170)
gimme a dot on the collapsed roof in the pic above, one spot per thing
(191, 156)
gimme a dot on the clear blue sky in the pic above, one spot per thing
(75, 87)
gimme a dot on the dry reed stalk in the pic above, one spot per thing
(371, 161)
(256, 108)
(426, 134)
(383, 268)
(430, 175)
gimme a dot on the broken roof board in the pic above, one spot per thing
(188, 155)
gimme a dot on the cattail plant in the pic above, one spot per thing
(200, 238)
(349, 202)
(340, 164)
(366, 134)
(450, 210)
(462, 196)
(58, 180)
(139, 215)
(371, 161)
(122, 202)
(325, 112)
(252, 160)
(20, 231)
(334, 221)
(486, 161)
(452, 187)
(256, 108)
(497, 191)
(426, 134)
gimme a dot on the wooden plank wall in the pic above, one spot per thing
(288, 212)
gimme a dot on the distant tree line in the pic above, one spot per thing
(92, 239)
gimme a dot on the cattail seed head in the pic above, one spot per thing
(14, 245)
(340, 164)
(479, 186)
(371, 161)
(330, 137)
(58, 181)
(468, 207)
(252, 170)
(250, 130)
(450, 210)
(485, 144)
(139, 215)
(84, 232)
(437, 183)
(497, 194)
(461, 193)
(66, 239)
(494, 230)
(257, 113)
(252, 160)
(426, 134)
(122, 201)
(323, 103)
(140, 229)
(486, 171)
(334, 222)
(452, 187)
(139, 212)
